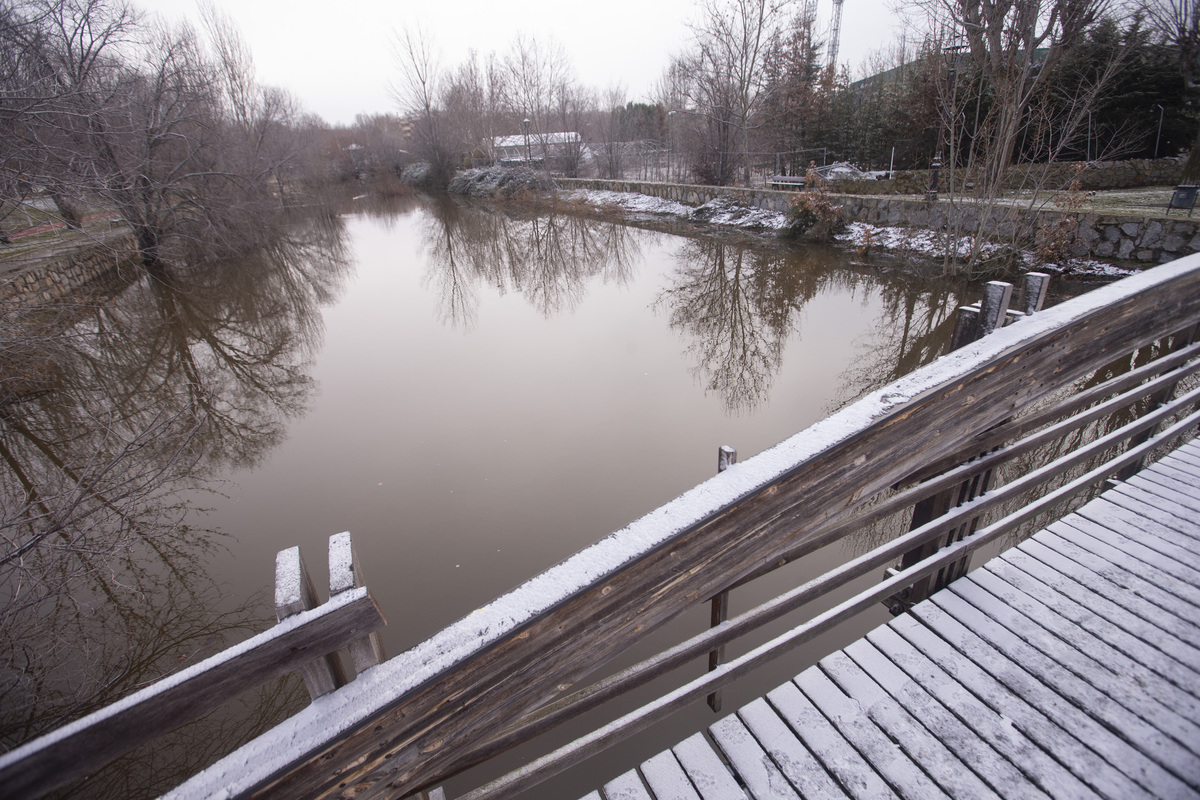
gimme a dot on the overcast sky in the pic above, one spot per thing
(337, 58)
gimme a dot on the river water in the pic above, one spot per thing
(474, 393)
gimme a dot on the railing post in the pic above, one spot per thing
(726, 457)
(972, 323)
(294, 593)
(345, 573)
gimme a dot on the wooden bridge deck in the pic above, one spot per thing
(1068, 666)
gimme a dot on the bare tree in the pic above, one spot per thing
(105, 108)
(723, 71)
(417, 91)
(1177, 23)
(474, 103)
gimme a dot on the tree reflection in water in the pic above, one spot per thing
(112, 416)
(548, 257)
(740, 305)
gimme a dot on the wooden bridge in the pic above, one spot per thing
(1067, 667)
(999, 438)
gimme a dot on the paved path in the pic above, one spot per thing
(1067, 667)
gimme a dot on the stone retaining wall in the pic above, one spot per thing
(49, 276)
(1093, 176)
(1145, 239)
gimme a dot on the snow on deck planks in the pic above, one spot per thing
(1068, 666)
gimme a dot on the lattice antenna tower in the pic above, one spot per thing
(835, 35)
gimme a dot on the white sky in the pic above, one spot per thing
(337, 57)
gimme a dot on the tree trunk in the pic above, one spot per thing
(67, 210)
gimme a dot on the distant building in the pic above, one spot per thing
(538, 148)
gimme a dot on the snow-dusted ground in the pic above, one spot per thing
(719, 211)
(930, 244)
(728, 213)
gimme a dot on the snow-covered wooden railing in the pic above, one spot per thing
(306, 639)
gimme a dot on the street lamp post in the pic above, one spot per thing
(932, 194)
(528, 155)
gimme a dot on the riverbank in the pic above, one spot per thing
(889, 226)
(54, 270)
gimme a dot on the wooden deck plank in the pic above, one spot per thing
(889, 760)
(666, 778)
(1138, 640)
(1182, 459)
(1100, 578)
(970, 731)
(855, 775)
(626, 787)
(1121, 523)
(1097, 540)
(934, 748)
(1182, 474)
(1110, 698)
(1161, 530)
(706, 771)
(1093, 662)
(799, 766)
(1040, 683)
(763, 779)
(1168, 518)
(1092, 752)
(1184, 454)
(1185, 578)
(1163, 492)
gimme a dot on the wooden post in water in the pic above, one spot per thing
(345, 573)
(294, 593)
(726, 457)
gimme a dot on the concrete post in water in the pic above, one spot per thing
(1036, 284)
(294, 593)
(345, 573)
(996, 297)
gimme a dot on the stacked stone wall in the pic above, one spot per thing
(46, 277)
(1093, 176)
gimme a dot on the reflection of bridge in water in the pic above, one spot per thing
(1065, 667)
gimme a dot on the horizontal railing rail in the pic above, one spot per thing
(306, 640)
(640, 674)
(693, 691)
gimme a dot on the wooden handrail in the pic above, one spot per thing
(473, 678)
(76, 750)
(640, 674)
(638, 720)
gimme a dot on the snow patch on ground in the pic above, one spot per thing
(628, 202)
(930, 244)
(719, 211)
